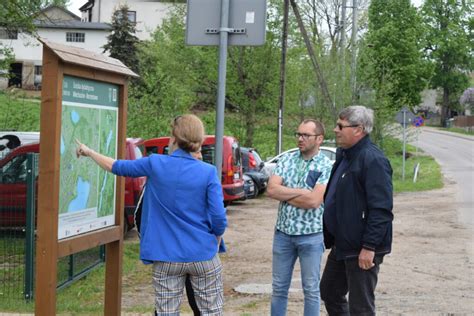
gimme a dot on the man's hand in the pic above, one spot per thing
(366, 259)
(82, 150)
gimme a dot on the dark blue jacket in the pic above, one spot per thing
(363, 202)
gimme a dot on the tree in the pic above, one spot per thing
(449, 48)
(391, 61)
(122, 42)
(18, 16)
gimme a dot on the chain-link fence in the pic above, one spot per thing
(18, 184)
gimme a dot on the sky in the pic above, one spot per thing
(74, 6)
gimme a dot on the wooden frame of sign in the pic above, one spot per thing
(60, 61)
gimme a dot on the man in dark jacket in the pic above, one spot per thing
(357, 216)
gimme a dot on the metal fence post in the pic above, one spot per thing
(30, 224)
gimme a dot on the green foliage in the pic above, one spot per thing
(448, 47)
(122, 42)
(391, 58)
(173, 78)
(18, 113)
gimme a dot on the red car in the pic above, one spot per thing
(13, 184)
(232, 180)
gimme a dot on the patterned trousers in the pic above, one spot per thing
(206, 279)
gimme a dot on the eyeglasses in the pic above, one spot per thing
(305, 136)
(341, 127)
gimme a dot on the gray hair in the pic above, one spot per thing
(359, 115)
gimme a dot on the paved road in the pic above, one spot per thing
(455, 153)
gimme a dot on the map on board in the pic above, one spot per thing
(87, 192)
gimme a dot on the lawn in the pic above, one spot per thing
(17, 113)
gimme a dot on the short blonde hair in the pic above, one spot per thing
(188, 131)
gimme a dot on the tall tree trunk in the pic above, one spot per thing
(250, 123)
(445, 107)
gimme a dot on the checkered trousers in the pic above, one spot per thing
(206, 278)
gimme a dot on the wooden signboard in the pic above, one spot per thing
(80, 206)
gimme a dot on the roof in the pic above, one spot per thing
(89, 4)
(72, 25)
(51, 7)
(82, 57)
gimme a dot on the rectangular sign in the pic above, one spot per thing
(87, 192)
(203, 15)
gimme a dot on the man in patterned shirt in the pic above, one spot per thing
(299, 182)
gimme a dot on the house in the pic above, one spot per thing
(147, 14)
(54, 24)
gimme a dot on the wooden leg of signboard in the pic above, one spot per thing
(113, 278)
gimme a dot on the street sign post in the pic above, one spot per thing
(404, 117)
(210, 22)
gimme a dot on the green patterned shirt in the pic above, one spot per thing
(304, 174)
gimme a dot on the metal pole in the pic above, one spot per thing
(30, 224)
(282, 75)
(354, 51)
(343, 51)
(404, 142)
(221, 84)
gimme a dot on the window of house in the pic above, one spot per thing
(8, 34)
(75, 37)
(132, 16)
(38, 70)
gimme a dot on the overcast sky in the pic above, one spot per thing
(75, 5)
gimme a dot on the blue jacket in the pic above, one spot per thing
(363, 202)
(183, 209)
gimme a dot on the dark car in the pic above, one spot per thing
(252, 166)
(249, 187)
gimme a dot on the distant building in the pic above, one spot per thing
(54, 24)
(147, 14)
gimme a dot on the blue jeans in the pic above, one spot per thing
(286, 248)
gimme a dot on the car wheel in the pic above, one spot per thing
(256, 192)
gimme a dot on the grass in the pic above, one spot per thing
(429, 174)
(86, 296)
(17, 113)
(459, 130)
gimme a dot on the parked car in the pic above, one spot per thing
(249, 187)
(271, 163)
(232, 181)
(252, 166)
(13, 184)
(10, 140)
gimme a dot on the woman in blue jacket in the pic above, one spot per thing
(183, 218)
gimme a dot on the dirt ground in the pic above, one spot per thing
(429, 272)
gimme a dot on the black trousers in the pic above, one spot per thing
(343, 277)
(190, 295)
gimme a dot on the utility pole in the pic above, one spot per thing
(354, 51)
(342, 49)
(284, 42)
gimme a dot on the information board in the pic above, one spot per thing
(87, 192)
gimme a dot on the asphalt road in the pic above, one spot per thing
(455, 153)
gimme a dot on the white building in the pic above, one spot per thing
(54, 24)
(147, 14)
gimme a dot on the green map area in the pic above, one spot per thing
(85, 186)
